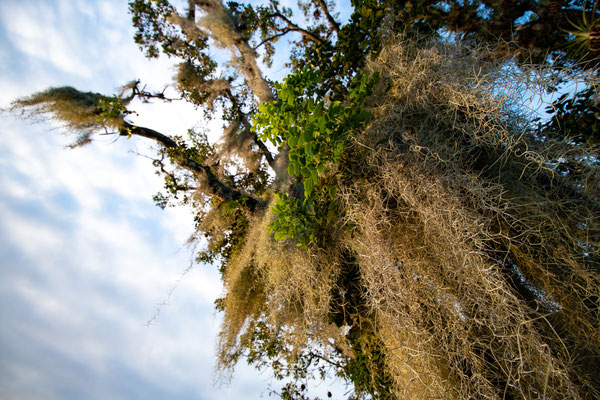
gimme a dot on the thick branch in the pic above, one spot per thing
(164, 140)
(334, 24)
(222, 190)
(262, 148)
(217, 187)
(191, 14)
(265, 152)
(228, 37)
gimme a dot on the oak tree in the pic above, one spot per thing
(388, 213)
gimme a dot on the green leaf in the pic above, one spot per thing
(330, 214)
(292, 141)
(279, 235)
(323, 123)
(319, 108)
(308, 187)
(307, 136)
(315, 177)
(308, 149)
(332, 191)
(362, 116)
(337, 151)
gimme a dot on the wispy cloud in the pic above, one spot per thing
(85, 254)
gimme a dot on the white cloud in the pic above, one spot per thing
(35, 30)
(86, 255)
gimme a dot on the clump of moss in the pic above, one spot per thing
(476, 265)
(80, 113)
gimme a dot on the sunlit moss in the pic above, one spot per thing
(81, 113)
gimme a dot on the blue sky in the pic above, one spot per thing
(85, 255)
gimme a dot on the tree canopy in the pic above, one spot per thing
(390, 213)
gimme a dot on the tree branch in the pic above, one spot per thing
(243, 119)
(334, 24)
(159, 163)
(265, 152)
(296, 28)
(229, 37)
(320, 357)
(284, 32)
(164, 140)
(142, 93)
(217, 187)
(176, 185)
(191, 13)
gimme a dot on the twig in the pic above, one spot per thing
(167, 301)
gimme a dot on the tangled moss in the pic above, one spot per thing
(82, 113)
(477, 262)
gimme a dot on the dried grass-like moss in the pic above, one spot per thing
(478, 258)
(78, 112)
(206, 91)
(479, 263)
(292, 291)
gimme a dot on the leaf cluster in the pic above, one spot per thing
(257, 22)
(156, 33)
(340, 60)
(112, 108)
(577, 115)
(316, 133)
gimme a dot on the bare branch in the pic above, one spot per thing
(296, 28)
(167, 301)
(284, 32)
(142, 93)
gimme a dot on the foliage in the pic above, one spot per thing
(367, 369)
(316, 135)
(111, 109)
(196, 149)
(357, 41)
(151, 18)
(294, 219)
(584, 32)
(575, 115)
